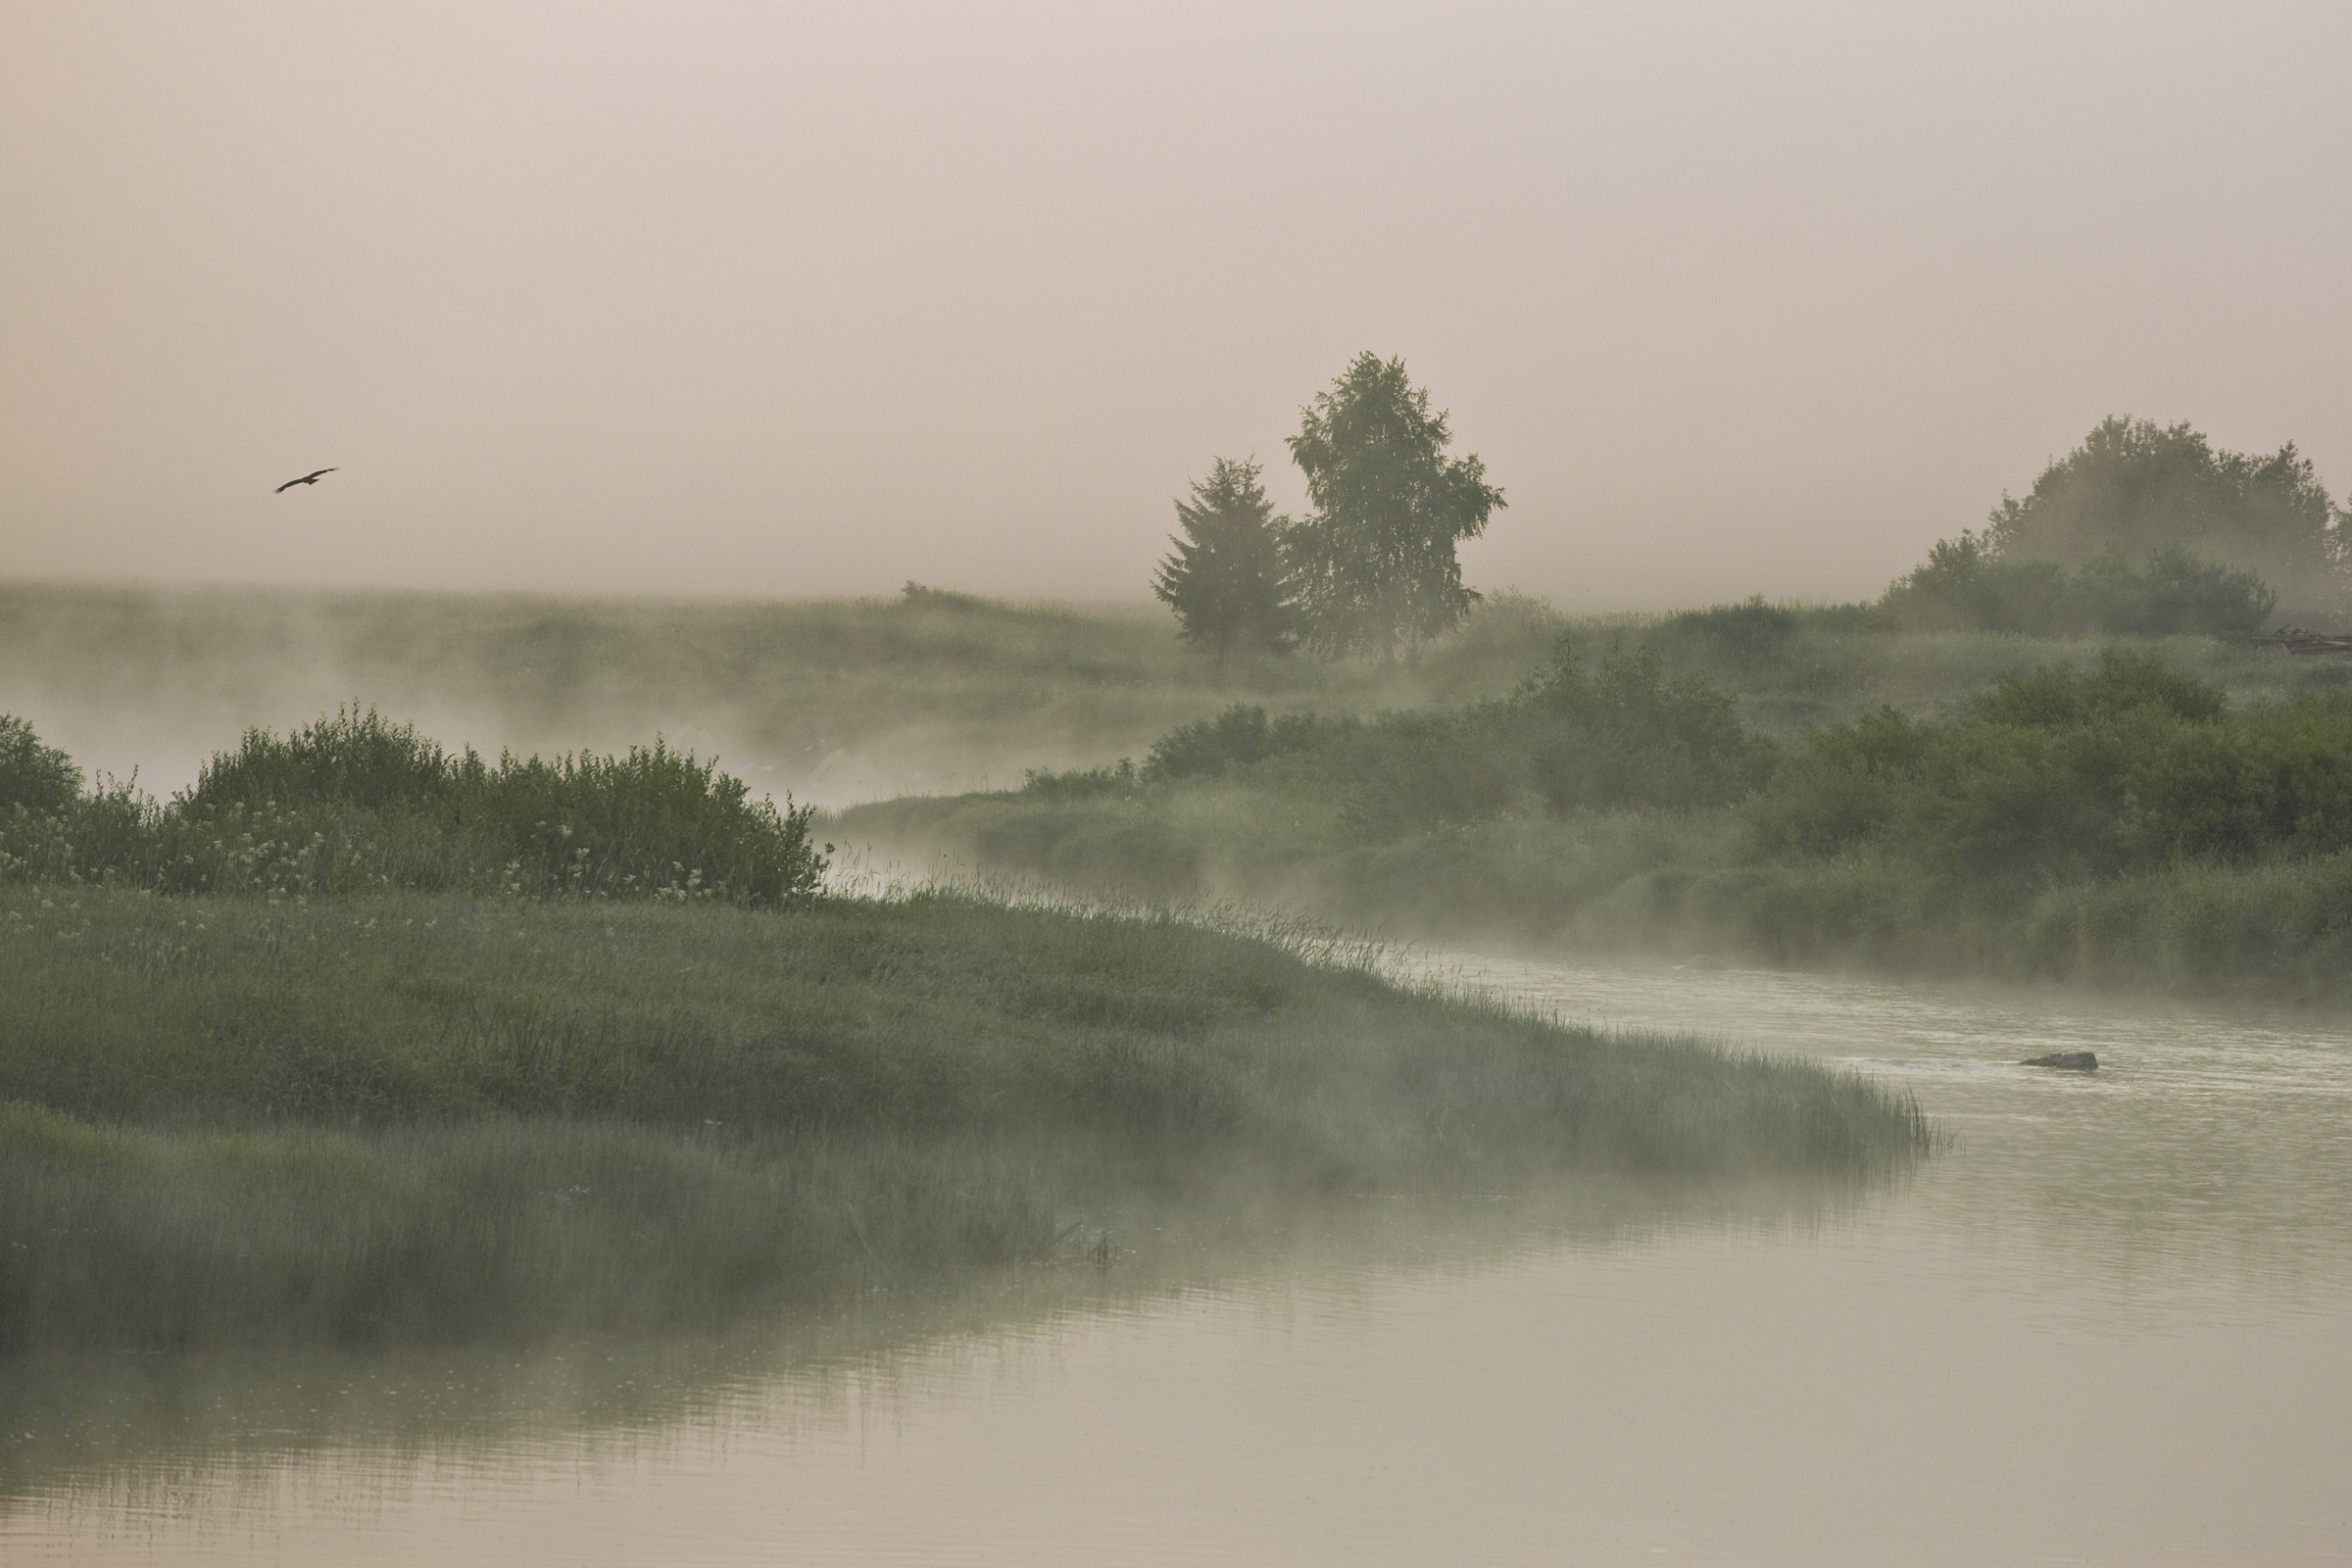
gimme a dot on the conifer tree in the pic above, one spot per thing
(1226, 578)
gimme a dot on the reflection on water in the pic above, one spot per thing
(2108, 1325)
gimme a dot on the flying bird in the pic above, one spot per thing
(308, 478)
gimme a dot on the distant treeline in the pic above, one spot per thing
(2143, 529)
(356, 801)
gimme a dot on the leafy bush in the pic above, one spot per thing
(1750, 629)
(1080, 784)
(1624, 733)
(33, 777)
(2123, 683)
(1619, 733)
(1964, 586)
(355, 800)
(1236, 737)
(2136, 486)
(652, 820)
(2063, 773)
(355, 759)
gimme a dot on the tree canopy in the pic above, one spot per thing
(2139, 487)
(1374, 563)
(1226, 578)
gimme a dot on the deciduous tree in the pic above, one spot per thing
(1374, 564)
(2138, 487)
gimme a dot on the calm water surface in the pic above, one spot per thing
(2112, 1324)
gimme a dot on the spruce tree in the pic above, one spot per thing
(1226, 578)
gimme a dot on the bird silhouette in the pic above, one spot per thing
(308, 478)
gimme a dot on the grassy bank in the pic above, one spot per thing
(413, 1116)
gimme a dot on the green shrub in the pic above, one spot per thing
(356, 801)
(1752, 629)
(2066, 772)
(1239, 736)
(33, 777)
(1620, 732)
(1964, 586)
(652, 820)
(354, 759)
(1624, 733)
(2123, 683)
(1080, 783)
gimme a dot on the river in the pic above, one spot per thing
(2111, 1323)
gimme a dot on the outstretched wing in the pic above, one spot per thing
(308, 478)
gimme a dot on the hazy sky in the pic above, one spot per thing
(755, 298)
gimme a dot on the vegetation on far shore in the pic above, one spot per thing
(2112, 819)
(1804, 784)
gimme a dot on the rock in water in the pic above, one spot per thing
(2070, 1060)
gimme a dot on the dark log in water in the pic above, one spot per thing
(2068, 1061)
